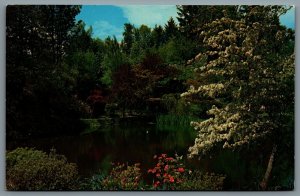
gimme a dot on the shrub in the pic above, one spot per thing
(93, 183)
(170, 174)
(123, 178)
(167, 172)
(30, 169)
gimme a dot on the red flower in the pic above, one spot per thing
(166, 167)
(156, 184)
(171, 179)
(180, 169)
(169, 159)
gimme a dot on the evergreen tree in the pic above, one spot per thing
(171, 29)
(157, 36)
(192, 17)
(128, 39)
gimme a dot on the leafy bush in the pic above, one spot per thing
(123, 178)
(30, 169)
(93, 183)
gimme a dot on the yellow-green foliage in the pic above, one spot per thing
(30, 169)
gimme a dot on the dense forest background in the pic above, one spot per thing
(229, 67)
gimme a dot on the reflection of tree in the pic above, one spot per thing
(178, 140)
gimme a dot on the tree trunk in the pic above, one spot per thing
(264, 183)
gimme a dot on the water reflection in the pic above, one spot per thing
(125, 142)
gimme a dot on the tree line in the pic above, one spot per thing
(235, 64)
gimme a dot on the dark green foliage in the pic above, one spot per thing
(93, 183)
(178, 50)
(234, 167)
(192, 17)
(38, 84)
(157, 35)
(81, 39)
(128, 37)
(171, 29)
(29, 169)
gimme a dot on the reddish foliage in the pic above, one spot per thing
(96, 96)
(97, 101)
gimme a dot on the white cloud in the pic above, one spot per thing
(103, 29)
(149, 14)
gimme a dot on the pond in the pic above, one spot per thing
(130, 140)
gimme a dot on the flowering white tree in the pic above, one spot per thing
(248, 74)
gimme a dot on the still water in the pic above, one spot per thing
(129, 141)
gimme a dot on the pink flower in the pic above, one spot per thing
(157, 175)
(169, 159)
(180, 169)
(166, 167)
(151, 171)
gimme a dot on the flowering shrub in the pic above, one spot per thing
(167, 173)
(123, 178)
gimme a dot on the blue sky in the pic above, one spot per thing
(107, 20)
(289, 18)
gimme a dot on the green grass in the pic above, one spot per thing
(91, 124)
(174, 122)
